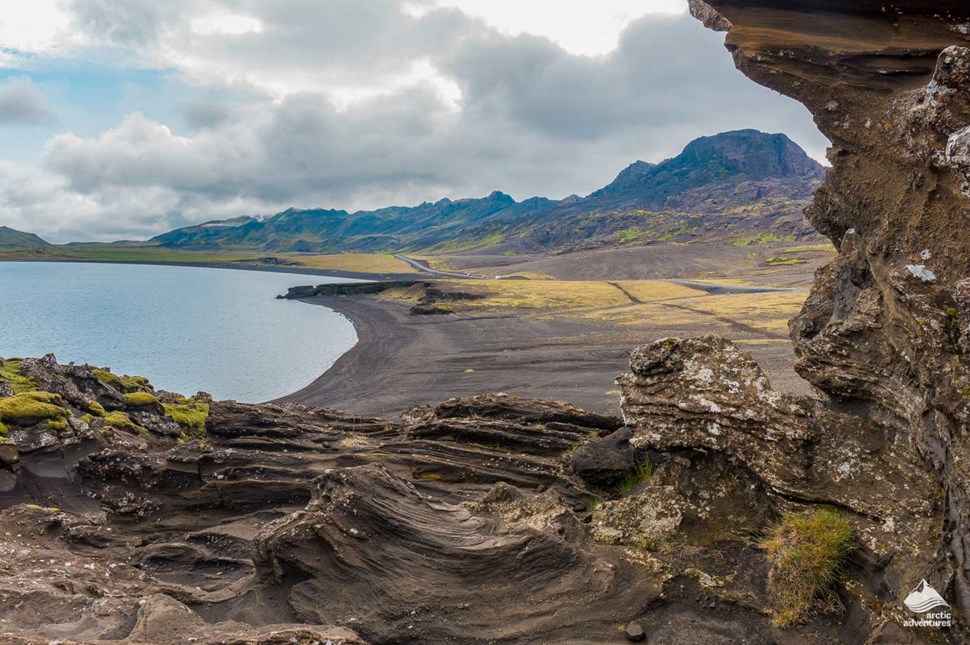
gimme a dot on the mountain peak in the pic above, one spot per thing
(11, 238)
(739, 155)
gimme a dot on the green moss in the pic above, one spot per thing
(759, 238)
(3, 429)
(807, 552)
(135, 383)
(140, 399)
(87, 418)
(106, 377)
(784, 260)
(10, 370)
(629, 235)
(53, 426)
(190, 414)
(121, 421)
(31, 407)
(123, 383)
(96, 409)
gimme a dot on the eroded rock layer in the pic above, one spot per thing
(883, 336)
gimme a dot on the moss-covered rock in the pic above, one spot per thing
(10, 371)
(31, 407)
(190, 414)
(122, 421)
(140, 399)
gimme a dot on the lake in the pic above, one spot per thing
(185, 328)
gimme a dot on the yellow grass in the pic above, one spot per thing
(540, 294)
(657, 290)
(360, 262)
(662, 304)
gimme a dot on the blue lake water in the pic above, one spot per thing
(185, 328)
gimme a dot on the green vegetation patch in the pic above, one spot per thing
(53, 426)
(784, 260)
(31, 407)
(123, 383)
(807, 552)
(759, 238)
(640, 473)
(122, 421)
(190, 414)
(140, 399)
(10, 370)
(96, 409)
(135, 383)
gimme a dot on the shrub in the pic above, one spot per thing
(31, 407)
(140, 399)
(807, 552)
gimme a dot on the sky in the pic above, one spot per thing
(122, 119)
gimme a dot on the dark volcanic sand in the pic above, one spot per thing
(402, 360)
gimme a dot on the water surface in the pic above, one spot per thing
(185, 328)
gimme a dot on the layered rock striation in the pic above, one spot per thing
(883, 335)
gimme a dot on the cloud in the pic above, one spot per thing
(348, 104)
(21, 103)
(206, 114)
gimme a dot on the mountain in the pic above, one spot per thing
(14, 239)
(739, 184)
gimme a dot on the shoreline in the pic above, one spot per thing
(295, 270)
(401, 361)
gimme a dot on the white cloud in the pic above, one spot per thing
(38, 26)
(226, 23)
(578, 26)
(21, 103)
(352, 104)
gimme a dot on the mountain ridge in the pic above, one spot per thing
(678, 197)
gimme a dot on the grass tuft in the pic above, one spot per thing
(807, 552)
(641, 472)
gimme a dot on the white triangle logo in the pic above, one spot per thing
(924, 598)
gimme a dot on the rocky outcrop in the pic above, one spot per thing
(883, 335)
(347, 289)
(406, 563)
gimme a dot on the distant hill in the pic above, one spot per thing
(14, 239)
(735, 185)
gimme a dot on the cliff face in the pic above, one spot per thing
(884, 334)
